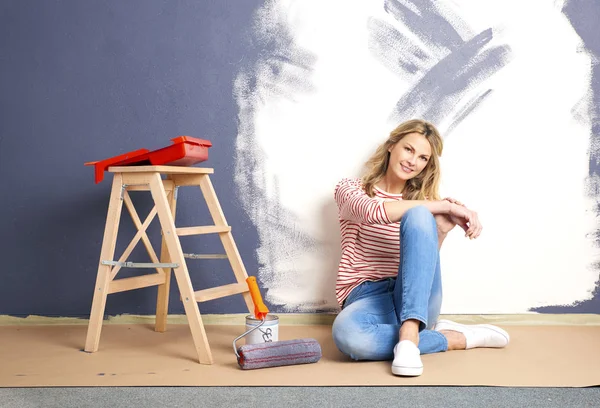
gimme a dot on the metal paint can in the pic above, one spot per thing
(266, 333)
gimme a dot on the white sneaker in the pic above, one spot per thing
(477, 335)
(407, 359)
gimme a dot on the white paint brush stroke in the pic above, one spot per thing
(520, 159)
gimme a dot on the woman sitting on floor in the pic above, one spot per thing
(389, 281)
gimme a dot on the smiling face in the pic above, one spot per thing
(408, 157)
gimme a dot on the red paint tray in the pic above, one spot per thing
(185, 151)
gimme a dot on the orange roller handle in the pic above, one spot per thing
(260, 310)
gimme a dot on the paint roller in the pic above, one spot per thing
(275, 353)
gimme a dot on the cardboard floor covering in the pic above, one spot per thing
(135, 355)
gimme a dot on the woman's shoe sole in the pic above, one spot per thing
(407, 371)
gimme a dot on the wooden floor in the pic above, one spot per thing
(135, 355)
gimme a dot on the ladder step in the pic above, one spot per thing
(220, 291)
(137, 282)
(205, 256)
(208, 229)
(140, 264)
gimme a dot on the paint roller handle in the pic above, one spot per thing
(260, 310)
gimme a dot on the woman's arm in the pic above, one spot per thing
(355, 205)
(396, 209)
(458, 214)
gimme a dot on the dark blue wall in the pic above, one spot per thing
(86, 80)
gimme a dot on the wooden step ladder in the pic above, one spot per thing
(164, 193)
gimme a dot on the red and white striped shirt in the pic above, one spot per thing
(370, 241)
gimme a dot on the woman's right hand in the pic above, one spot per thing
(467, 219)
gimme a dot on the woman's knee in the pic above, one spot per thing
(351, 338)
(420, 218)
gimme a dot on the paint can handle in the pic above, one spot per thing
(245, 333)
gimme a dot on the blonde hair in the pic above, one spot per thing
(425, 185)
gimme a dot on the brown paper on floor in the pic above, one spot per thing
(135, 355)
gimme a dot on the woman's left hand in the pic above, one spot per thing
(472, 229)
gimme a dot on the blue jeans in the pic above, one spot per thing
(368, 325)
